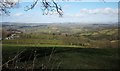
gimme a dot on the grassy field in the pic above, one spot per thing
(58, 47)
(60, 58)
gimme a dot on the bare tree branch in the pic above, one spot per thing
(32, 6)
(6, 64)
(58, 9)
(47, 7)
(50, 7)
(5, 5)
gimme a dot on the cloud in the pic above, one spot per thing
(18, 14)
(99, 11)
(99, 15)
(91, 12)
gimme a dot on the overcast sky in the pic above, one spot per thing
(83, 12)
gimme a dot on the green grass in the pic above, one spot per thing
(56, 51)
(40, 45)
(67, 58)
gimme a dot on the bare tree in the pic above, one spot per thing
(5, 5)
(48, 6)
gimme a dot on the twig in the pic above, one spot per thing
(32, 6)
(7, 63)
(59, 65)
(33, 66)
(51, 55)
(58, 9)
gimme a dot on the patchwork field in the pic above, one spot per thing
(60, 47)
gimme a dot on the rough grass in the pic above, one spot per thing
(62, 58)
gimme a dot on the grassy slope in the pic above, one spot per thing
(67, 58)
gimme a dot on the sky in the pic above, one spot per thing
(73, 0)
(83, 12)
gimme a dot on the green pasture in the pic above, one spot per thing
(62, 58)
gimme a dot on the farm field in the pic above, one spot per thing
(89, 46)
